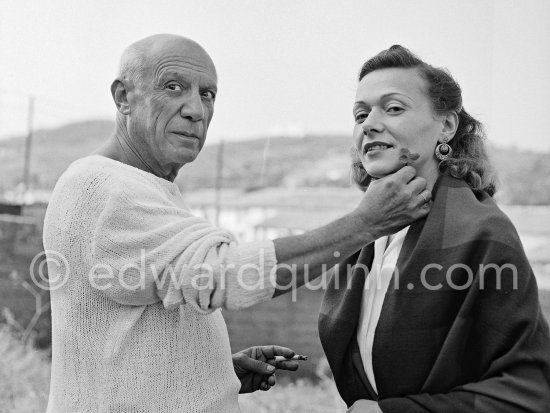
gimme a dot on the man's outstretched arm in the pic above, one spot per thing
(389, 204)
(187, 260)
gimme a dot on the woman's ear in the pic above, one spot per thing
(120, 96)
(450, 125)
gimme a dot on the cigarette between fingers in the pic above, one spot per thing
(296, 357)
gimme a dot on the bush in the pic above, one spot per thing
(24, 376)
(299, 397)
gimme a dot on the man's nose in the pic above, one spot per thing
(193, 108)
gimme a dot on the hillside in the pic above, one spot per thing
(524, 176)
(52, 152)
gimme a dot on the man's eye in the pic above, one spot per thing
(208, 94)
(173, 86)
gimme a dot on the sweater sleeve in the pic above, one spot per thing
(513, 347)
(147, 249)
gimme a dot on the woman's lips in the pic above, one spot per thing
(374, 147)
(377, 149)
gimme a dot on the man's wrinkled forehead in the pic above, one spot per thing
(177, 55)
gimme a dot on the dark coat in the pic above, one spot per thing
(468, 338)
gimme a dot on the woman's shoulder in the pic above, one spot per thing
(470, 215)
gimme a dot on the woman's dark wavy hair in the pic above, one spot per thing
(469, 159)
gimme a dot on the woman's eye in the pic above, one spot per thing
(360, 117)
(395, 109)
(176, 87)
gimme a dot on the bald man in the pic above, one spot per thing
(136, 278)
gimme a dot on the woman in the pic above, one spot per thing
(444, 315)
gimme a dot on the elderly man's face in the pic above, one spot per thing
(173, 105)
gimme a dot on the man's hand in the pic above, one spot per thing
(389, 204)
(364, 406)
(393, 202)
(255, 367)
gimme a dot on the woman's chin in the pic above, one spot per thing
(378, 173)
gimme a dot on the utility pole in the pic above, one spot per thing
(264, 160)
(28, 144)
(219, 179)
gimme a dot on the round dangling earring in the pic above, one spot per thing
(443, 150)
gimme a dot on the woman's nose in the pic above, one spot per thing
(373, 122)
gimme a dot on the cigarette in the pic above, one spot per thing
(296, 357)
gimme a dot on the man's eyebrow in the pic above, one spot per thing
(171, 75)
(208, 84)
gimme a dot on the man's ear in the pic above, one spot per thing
(120, 96)
(449, 125)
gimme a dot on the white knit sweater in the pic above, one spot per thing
(128, 335)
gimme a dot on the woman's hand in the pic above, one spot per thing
(255, 367)
(364, 406)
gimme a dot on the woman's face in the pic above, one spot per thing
(392, 112)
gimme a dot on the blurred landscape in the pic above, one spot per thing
(261, 188)
(310, 161)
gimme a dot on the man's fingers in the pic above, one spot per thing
(417, 185)
(405, 174)
(256, 366)
(271, 351)
(287, 365)
(424, 197)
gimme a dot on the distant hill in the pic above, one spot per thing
(321, 160)
(52, 152)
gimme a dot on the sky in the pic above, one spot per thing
(285, 67)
